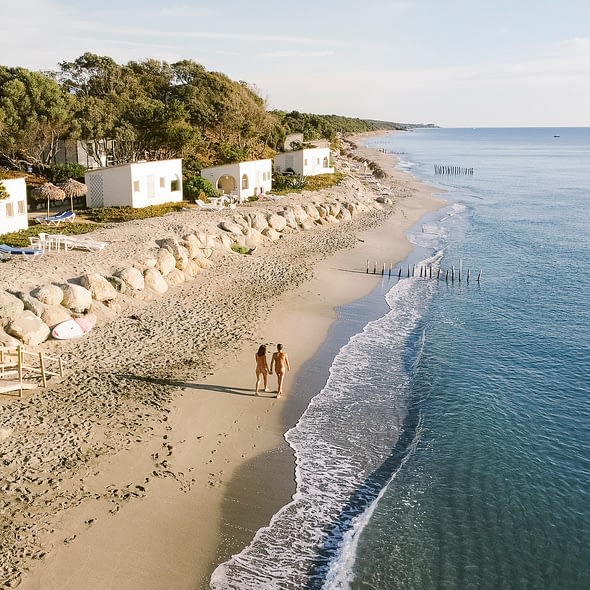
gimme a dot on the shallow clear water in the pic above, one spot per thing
(450, 446)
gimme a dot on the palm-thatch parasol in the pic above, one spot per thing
(48, 191)
(73, 188)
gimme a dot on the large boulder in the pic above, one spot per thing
(7, 340)
(155, 281)
(225, 241)
(344, 214)
(28, 328)
(99, 287)
(311, 211)
(242, 221)
(175, 277)
(289, 218)
(31, 303)
(300, 214)
(193, 245)
(203, 263)
(276, 222)
(271, 234)
(48, 294)
(133, 277)
(258, 221)
(232, 227)
(207, 240)
(10, 307)
(76, 298)
(119, 284)
(308, 224)
(165, 261)
(55, 314)
(144, 263)
(171, 244)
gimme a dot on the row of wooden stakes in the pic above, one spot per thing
(426, 272)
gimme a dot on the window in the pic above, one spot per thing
(9, 209)
(136, 186)
(22, 207)
(326, 165)
(174, 185)
(245, 183)
(305, 162)
(162, 182)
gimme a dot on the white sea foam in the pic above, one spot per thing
(342, 445)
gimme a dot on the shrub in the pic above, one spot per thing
(20, 239)
(196, 187)
(61, 172)
(240, 249)
(120, 214)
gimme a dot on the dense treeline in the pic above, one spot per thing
(146, 110)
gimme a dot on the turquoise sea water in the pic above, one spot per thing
(450, 445)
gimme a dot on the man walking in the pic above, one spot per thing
(280, 362)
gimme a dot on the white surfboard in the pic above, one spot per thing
(73, 328)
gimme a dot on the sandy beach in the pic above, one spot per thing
(152, 461)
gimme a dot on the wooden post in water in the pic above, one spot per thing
(478, 276)
(383, 269)
(447, 277)
(468, 273)
(408, 270)
(375, 268)
(452, 274)
(399, 275)
(438, 273)
(367, 266)
(390, 267)
(413, 269)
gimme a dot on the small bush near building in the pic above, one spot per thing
(61, 172)
(198, 187)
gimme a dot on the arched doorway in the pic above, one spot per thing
(227, 184)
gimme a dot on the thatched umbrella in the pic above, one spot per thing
(73, 188)
(48, 191)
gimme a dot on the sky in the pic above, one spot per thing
(453, 63)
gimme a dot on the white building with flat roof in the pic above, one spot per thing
(306, 162)
(135, 184)
(13, 209)
(242, 179)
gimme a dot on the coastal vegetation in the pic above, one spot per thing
(146, 110)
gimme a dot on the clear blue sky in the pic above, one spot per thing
(456, 63)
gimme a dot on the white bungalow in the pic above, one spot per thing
(13, 209)
(307, 162)
(135, 184)
(242, 179)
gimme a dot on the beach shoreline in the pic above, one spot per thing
(206, 464)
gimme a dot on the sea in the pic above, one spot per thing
(447, 441)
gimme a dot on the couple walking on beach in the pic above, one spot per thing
(280, 363)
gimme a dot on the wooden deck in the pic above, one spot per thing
(21, 369)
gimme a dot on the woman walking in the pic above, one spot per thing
(261, 368)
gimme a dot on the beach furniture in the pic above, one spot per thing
(5, 249)
(209, 207)
(75, 243)
(48, 242)
(63, 217)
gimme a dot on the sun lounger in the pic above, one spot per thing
(64, 217)
(74, 243)
(210, 207)
(5, 249)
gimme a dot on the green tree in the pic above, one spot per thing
(35, 113)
